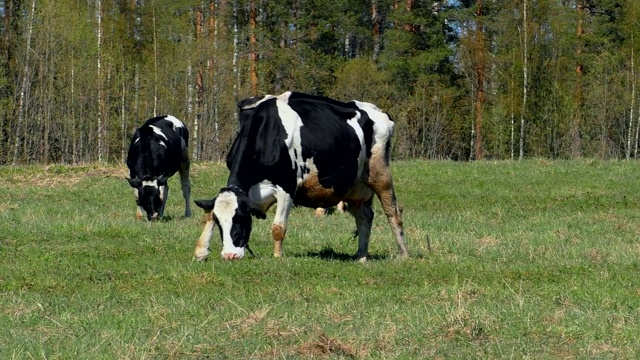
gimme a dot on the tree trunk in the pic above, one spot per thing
(408, 26)
(199, 88)
(252, 46)
(375, 20)
(574, 131)
(213, 28)
(236, 71)
(479, 72)
(155, 61)
(123, 117)
(513, 123)
(24, 86)
(101, 90)
(633, 102)
(525, 77)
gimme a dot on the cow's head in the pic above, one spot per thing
(149, 194)
(232, 211)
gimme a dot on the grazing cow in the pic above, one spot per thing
(309, 151)
(158, 150)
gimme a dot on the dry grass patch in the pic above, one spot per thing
(321, 346)
(57, 175)
(246, 321)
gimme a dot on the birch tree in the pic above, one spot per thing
(525, 75)
(24, 86)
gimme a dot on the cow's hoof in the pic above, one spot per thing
(362, 259)
(231, 256)
(200, 257)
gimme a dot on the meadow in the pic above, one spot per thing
(524, 260)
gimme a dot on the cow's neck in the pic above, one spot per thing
(242, 184)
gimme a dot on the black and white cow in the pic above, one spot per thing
(309, 151)
(157, 151)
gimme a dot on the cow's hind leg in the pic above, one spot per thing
(185, 181)
(363, 213)
(382, 185)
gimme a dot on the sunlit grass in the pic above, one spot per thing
(531, 259)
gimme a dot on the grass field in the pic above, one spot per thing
(531, 259)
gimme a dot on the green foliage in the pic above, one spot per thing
(534, 258)
(194, 60)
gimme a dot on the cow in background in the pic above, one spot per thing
(157, 151)
(305, 150)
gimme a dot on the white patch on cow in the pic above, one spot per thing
(153, 183)
(312, 171)
(136, 195)
(291, 122)
(284, 97)
(266, 194)
(163, 144)
(263, 194)
(158, 131)
(360, 134)
(174, 121)
(255, 104)
(283, 209)
(162, 189)
(136, 141)
(224, 210)
(383, 126)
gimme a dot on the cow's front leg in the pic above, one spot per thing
(202, 245)
(164, 194)
(279, 227)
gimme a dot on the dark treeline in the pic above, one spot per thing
(463, 79)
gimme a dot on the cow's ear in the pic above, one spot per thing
(135, 183)
(255, 211)
(206, 205)
(162, 180)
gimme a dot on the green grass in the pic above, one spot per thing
(529, 259)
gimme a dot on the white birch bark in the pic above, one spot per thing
(24, 86)
(525, 75)
(513, 123)
(236, 72)
(635, 150)
(216, 134)
(633, 102)
(123, 125)
(155, 62)
(74, 136)
(190, 91)
(100, 87)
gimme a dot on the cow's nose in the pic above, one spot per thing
(154, 216)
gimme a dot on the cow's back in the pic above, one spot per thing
(157, 147)
(334, 142)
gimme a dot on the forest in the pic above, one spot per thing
(462, 79)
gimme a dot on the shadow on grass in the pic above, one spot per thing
(330, 254)
(169, 218)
